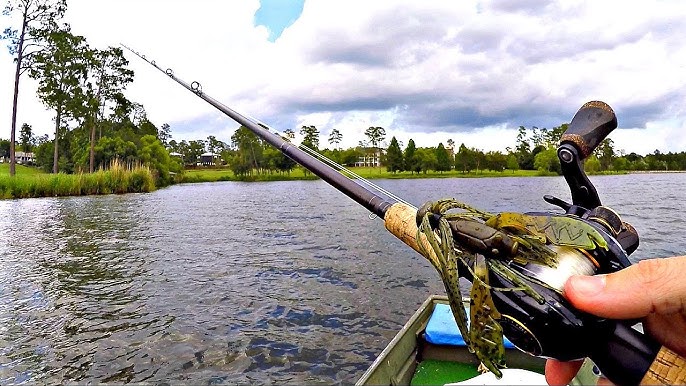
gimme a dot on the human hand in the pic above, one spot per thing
(654, 290)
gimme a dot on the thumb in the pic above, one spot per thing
(650, 286)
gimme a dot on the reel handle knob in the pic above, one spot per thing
(590, 126)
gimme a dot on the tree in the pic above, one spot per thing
(311, 139)
(523, 150)
(156, 157)
(60, 69)
(108, 77)
(534, 153)
(36, 16)
(465, 159)
(426, 159)
(606, 153)
(350, 156)
(248, 150)
(26, 137)
(289, 134)
(335, 138)
(496, 161)
(376, 135)
(620, 163)
(110, 149)
(639, 164)
(547, 161)
(145, 127)
(394, 157)
(276, 160)
(182, 148)
(443, 162)
(214, 145)
(552, 137)
(410, 157)
(43, 155)
(537, 135)
(591, 164)
(195, 150)
(4, 148)
(164, 135)
(512, 163)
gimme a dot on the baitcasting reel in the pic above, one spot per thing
(549, 326)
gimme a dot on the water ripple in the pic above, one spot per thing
(225, 283)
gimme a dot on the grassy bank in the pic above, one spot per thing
(21, 170)
(225, 174)
(30, 182)
(212, 175)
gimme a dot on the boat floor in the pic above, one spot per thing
(435, 372)
(411, 359)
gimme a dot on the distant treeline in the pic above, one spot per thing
(535, 149)
(247, 155)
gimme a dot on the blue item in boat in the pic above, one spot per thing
(442, 328)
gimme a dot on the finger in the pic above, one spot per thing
(650, 286)
(561, 373)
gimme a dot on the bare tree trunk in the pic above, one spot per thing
(96, 119)
(20, 55)
(55, 166)
(92, 152)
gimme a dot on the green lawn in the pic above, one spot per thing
(211, 175)
(225, 174)
(21, 170)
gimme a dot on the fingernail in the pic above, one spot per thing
(586, 285)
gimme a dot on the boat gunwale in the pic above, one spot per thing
(416, 323)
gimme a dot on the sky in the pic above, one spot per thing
(471, 71)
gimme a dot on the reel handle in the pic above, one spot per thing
(593, 122)
(589, 127)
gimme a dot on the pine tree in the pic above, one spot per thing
(443, 163)
(394, 157)
(410, 158)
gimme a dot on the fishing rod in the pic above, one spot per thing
(517, 262)
(370, 200)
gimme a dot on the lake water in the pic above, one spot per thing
(282, 282)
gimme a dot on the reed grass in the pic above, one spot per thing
(118, 178)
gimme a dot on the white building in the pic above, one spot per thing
(371, 157)
(24, 158)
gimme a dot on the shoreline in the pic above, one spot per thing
(191, 176)
(213, 175)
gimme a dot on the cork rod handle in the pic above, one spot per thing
(668, 368)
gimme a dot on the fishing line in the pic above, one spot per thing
(356, 176)
(330, 162)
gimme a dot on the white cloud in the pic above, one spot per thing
(429, 70)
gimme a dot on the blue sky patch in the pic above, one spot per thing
(277, 15)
